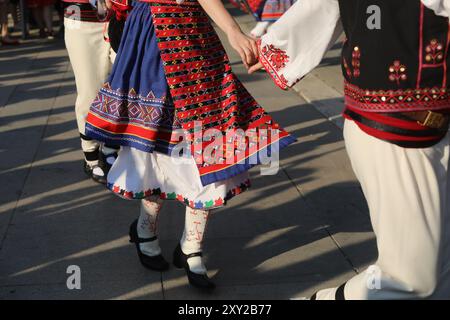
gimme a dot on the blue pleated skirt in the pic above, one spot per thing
(134, 108)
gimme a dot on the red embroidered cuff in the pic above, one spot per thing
(273, 60)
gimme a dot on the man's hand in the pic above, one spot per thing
(256, 67)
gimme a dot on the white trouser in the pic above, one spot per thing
(408, 193)
(91, 58)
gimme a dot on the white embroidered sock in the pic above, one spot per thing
(191, 241)
(147, 226)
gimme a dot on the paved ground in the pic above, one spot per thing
(293, 233)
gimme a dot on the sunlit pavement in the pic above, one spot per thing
(295, 232)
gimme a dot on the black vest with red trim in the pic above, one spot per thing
(395, 58)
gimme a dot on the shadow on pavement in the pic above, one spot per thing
(273, 242)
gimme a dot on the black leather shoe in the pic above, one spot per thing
(105, 162)
(200, 281)
(156, 263)
(90, 172)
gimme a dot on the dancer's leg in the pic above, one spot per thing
(89, 55)
(47, 13)
(407, 193)
(147, 226)
(192, 239)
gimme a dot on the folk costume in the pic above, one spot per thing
(395, 64)
(91, 58)
(265, 12)
(172, 76)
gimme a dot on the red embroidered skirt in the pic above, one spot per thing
(202, 90)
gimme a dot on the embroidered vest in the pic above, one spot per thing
(395, 57)
(128, 2)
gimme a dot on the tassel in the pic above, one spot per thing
(121, 9)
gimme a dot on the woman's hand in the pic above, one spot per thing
(244, 45)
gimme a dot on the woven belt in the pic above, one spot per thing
(82, 12)
(82, 5)
(430, 119)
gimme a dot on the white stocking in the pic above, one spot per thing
(147, 226)
(191, 242)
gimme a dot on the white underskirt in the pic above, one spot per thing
(137, 175)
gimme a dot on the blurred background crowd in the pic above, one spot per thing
(30, 18)
(44, 18)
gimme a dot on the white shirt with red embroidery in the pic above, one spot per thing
(297, 42)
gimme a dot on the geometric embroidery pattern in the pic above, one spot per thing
(203, 86)
(167, 195)
(132, 108)
(397, 100)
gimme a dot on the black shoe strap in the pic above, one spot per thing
(192, 255)
(91, 155)
(144, 240)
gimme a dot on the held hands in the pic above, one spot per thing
(257, 66)
(245, 46)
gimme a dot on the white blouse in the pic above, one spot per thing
(440, 7)
(306, 32)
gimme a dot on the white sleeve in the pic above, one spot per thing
(440, 7)
(298, 41)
